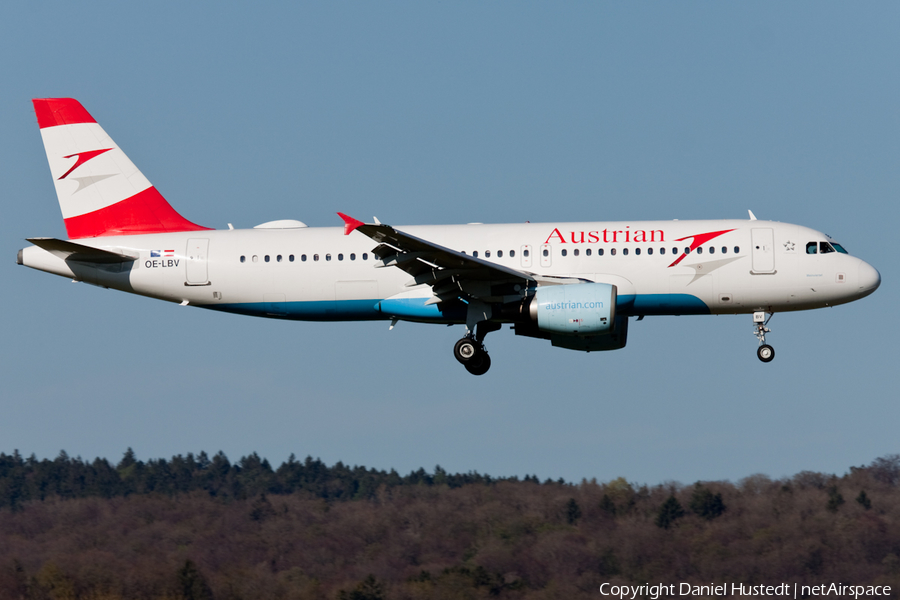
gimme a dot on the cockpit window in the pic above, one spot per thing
(812, 247)
(839, 248)
(825, 248)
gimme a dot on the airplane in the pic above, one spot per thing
(573, 284)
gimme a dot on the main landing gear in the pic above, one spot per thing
(765, 352)
(470, 350)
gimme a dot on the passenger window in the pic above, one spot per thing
(340, 257)
(687, 250)
(825, 248)
(624, 251)
(243, 258)
(267, 258)
(487, 253)
(599, 251)
(700, 250)
(315, 257)
(526, 253)
(278, 258)
(512, 253)
(712, 250)
(564, 252)
(328, 257)
(546, 252)
(811, 247)
(291, 258)
(587, 252)
(303, 258)
(724, 249)
(365, 256)
(255, 258)
(637, 251)
(612, 251)
(575, 252)
(475, 254)
(737, 249)
(352, 256)
(662, 250)
(649, 250)
(499, 253)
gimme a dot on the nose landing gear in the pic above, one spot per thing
(765, 352)
(470, 350)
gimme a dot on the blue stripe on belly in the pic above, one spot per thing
(413, 309)
(323, 310)
(661, 304)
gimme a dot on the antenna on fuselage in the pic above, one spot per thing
(752, 216)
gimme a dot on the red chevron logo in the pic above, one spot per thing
(83, 157)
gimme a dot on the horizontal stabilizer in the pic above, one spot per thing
(71, 251)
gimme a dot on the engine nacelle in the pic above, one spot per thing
(575, 309)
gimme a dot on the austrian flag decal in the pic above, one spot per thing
(161, 253)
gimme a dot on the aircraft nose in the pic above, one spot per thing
(869, 278)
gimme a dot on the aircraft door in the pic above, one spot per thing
(546, 255)
(526, 256)
(195, 265)
(762, 247)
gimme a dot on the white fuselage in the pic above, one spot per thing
(306, 273)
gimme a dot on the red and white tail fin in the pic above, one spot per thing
(100, 191)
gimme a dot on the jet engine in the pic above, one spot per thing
(576, 316)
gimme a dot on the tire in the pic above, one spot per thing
(765, 353)
(465, 350)
(479, 364)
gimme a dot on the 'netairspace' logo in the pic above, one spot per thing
(632, 592)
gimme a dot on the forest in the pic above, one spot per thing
(198, 527)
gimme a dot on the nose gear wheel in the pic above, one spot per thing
(765, 353)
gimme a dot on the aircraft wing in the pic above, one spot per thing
(450, 273)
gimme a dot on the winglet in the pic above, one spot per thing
(752, 216)
(350, 224)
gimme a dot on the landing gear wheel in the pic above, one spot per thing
(479, 364)
(466, 349)
(765, 353)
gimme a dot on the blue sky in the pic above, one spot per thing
(451, 113)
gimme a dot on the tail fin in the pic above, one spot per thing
(100, 191)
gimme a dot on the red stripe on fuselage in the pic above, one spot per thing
(60, 111)
(145, 212)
